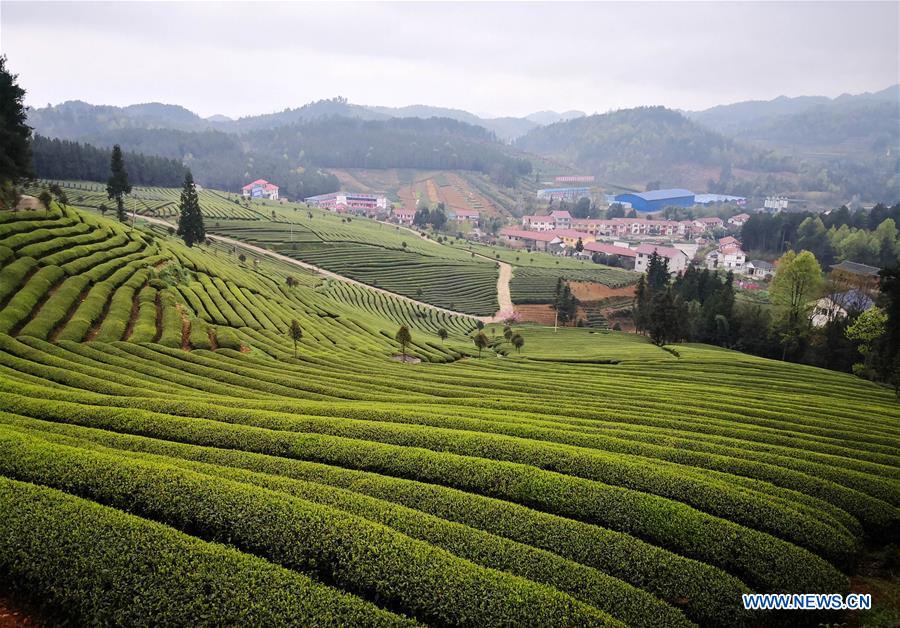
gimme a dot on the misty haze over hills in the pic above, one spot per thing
(844, 147)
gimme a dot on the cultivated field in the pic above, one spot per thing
(165, 459)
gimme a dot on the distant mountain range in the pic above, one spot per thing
(831, 149)
(76, 119)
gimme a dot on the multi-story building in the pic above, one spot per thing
(260, 189)
(352, 202)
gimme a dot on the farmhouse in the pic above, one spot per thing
(620, 252)
(260, 189)
(657, 199)
(739, 220)
(759, 268)
(840, 305)
(727, 257)
(570, 237)
(469, 216)
(709, 223)
(676, 258)
(403, 216)
(539, 223)
(341, 202)
(534, 240)
(561, 218)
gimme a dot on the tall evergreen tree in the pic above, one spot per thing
(190, 220)
(15, 135)
(118, 186)
(404, 338)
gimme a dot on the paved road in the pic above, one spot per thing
(326, 273)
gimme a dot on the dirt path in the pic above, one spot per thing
(504, 300)
(325, 273)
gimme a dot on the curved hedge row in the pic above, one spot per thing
(64, 549)
(431, 584)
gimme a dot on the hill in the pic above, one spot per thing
(633, 146)
(291, 147)
(165, 454)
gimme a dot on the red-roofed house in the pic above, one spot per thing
(612, 250)
(729, 256)
(677, 259)
(571, 237)
(710, 222)
(539, 223)
(727, 240)
(463, 215)
(534, 240)
(562, 218)
(739, 220)
(403, 216)
(260, 189)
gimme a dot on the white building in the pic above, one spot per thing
(839, 305)
(728, 257)
(678, 261)
(776, 203)
(260, 189)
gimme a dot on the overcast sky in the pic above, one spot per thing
(489, 58)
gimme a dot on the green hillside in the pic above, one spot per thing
(166, 459)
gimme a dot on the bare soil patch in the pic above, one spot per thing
(590, 291)
(406, 358)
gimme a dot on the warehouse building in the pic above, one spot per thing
(657, 200)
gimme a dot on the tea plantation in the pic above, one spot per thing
(166, 458)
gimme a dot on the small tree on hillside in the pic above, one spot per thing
(296, 333)
(404, 338)
(45, 198)
(481, 341)
(518, 342)
(579, 246)
(442, 334)
(190, 220)
(60, 195)
(118, 186)
(507, 333)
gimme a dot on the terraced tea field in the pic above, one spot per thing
(379, 255)
(155, 201)
(166, 459)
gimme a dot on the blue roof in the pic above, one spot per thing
(657, 195)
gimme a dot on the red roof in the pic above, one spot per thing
(560, 213)
(260, 182)
(664, 251)
(405, 212)
(609, 249)
(535, 218)
(542, 236)
(744, 217)
(571, 233)
(728, 240)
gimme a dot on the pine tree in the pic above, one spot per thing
(117, 185)
(190, 222)
(15, 148)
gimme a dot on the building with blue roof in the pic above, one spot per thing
(656, 200)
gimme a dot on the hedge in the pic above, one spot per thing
(64, 550)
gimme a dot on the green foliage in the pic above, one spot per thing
(15, 134)
(66, 547)
(190, 218)
(118, 185)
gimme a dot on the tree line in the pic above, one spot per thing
(702, 306)
(865, 236)
(75, 161)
